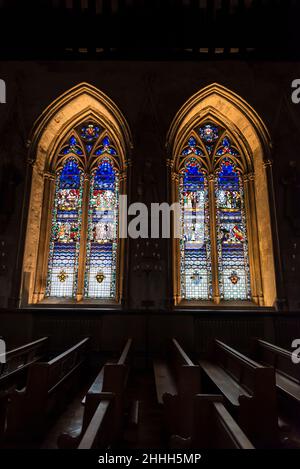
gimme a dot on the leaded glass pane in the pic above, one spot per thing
(233, 261)
(65, 232)
(101, 256)
(196, 280)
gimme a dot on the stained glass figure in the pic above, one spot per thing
(232, 244)
(101, 257)
(65, 231)
(196, 282)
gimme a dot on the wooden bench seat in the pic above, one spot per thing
(213, 427)
(48, 388)
(96, 386)
(177, 381)
(231, 389)
(249, 390)
(97, 433)
(109, 385)
(165, 382)
(288, 387)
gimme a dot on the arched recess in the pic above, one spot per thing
(82, 104)
(218, 106)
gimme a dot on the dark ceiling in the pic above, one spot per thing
(149, 29)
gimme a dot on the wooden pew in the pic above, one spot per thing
(48, 389)
(177, 380)
(18, 360)
(249, 390)
(13, 372)
(99, 433)
(213, 427)
(287, 373)
(109, 385)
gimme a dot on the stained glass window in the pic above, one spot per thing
(65, 231)
(195, 242)
(88, 147)
(100, 277)
(233, 264)
(210, 151)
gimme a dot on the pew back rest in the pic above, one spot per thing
(185, 372)
(20, 358)
(241, 368)
(112, 378)
(125, 355)
(277, 357)
(116, 374)
(46, 376)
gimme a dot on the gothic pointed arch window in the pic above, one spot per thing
(79, 151)
(219, 176)
(87, 155)
(214, 226)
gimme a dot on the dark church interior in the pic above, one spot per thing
(149, 225)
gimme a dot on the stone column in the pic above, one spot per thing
(44, 238)
(281, 301)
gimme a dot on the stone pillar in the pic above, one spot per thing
(281, 301)
(44, 238)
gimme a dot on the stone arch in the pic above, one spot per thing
(220, 105)
(81, 102)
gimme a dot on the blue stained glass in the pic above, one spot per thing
(228, 177)
(105, 176)
(105, 147)
(106, 141)
(226, 148)
(89, 148)
(70, 175)
(192, 148)
(192, 142)
(72, 147)
(193, 176)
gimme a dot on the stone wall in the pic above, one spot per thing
(149, 94)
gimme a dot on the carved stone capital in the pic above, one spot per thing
(49, 176)
(174, 176)
(268, 163)
(248, 177)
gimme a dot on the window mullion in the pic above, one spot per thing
(83, 239)
(213, 238)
